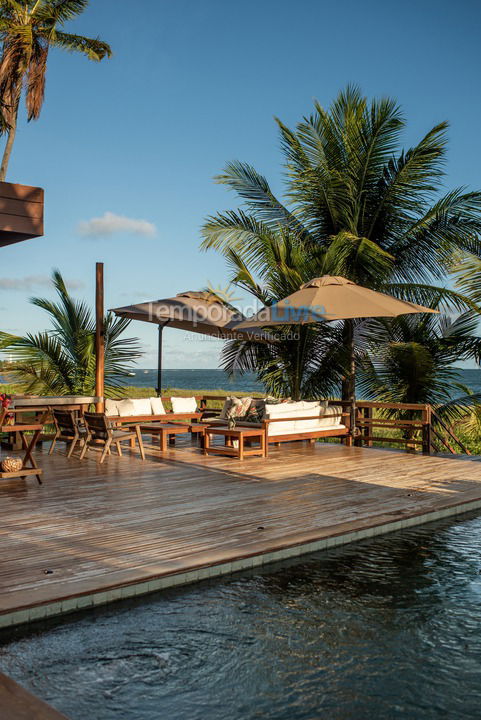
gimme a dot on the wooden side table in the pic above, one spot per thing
(230, 434)
(29, 466)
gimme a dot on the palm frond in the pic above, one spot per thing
(62, 361)
(93, 48)
(358, 205)
(58, 12)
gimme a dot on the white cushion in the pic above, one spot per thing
(327, 418)
(111, 409)
(274, 411)
(142, 406)
(306, 425)
(183, 405)
(274, 429)
(311, 404)
(281, 428)
(291, 408)
(126, 408)
(157, 406)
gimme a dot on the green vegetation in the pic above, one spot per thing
(357, 205)
(28, 29)
(411, 359)
(61, 361)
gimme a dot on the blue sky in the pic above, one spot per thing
(190, 86)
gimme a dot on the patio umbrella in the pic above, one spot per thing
(199, 312)
(330, 298)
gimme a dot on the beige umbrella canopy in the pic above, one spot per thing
(199, 312)
(330, 298)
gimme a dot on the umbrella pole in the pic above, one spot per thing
(159, 363)
(351, 379)
(352, 391)
(99, 337)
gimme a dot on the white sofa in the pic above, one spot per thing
(303, 418)
(151, 410)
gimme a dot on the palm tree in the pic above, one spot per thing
(61, 361)
(412, 358)
(28, 29)
(356, 205)
(306, 360)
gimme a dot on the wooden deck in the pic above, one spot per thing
(126, 527)
(16, 703)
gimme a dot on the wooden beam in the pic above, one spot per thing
(99, 336)
(21, 213)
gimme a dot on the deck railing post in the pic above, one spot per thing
(348, 437)
(359, 431)
(426, 430)
(367, 431)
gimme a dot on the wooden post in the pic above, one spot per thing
(99, 335)
(426, 430)
(159, 362)
(368, 431)
(358, 437)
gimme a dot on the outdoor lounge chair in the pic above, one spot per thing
(67, 429)
(101, 432)
(289, 421)
(148, 410)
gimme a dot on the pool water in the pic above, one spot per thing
(387, 628)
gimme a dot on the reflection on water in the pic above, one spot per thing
(389, 628)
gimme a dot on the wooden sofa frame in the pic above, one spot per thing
(167, 417)
(211, 415)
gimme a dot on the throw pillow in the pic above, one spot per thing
(183, 405)
(157, 406)
(239, 407)
(126, 408)
(256, 410)
(228, 403)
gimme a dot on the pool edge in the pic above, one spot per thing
(85, 601)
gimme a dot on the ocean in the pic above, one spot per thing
(195, 380)
(219, 380)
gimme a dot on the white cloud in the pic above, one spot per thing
(110, 224)
(30, 282)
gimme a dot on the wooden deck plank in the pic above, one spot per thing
(16, 703)
(99, 527)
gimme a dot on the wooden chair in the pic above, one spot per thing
(67, 428)
(101, 432)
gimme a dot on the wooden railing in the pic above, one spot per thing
(436, 422)
(416, 426)
(419, 426)
(414, 421)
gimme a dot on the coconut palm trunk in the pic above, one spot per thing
(28, 30)
(12, 131)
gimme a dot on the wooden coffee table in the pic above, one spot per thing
(238, 433)
(168, 431)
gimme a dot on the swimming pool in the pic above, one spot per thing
(386, 628)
